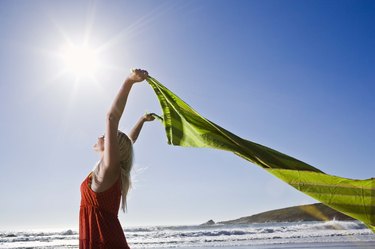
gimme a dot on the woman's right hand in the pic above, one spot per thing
(137, 75)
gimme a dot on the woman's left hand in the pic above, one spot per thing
(148, 117)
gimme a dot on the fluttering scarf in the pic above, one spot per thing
(186, 127)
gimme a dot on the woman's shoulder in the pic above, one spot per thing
(100, 183)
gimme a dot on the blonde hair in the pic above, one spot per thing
(126, 164)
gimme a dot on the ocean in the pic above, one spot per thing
(330, 234)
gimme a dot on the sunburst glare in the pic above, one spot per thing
(81, 61)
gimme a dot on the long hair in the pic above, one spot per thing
(126, 163)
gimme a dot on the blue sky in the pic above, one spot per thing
(296, 76)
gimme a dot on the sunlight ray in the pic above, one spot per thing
(104, 92)
(89, 23)
(58, 76)
(47, 52)
(66, 116)
(113, 67)
(35, 49)
(62, 33)
(136, 27)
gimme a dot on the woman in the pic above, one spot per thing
(109, 182)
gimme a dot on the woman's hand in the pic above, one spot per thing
(134, 133)
(137, 75)
(148, 117)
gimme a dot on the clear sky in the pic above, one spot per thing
(296, 76)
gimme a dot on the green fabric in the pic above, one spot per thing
(185, 127)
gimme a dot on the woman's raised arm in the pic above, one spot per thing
(134, 133)
(111, 157)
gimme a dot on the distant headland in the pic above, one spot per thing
(311, 212)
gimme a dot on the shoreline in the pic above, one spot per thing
(309, 245)
(301, 235)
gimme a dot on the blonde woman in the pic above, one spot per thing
(108, 184)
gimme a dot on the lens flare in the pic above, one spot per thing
(80, 60)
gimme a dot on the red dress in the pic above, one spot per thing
(99, 227)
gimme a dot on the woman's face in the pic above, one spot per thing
(99, 146)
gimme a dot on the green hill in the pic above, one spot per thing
(312, 212)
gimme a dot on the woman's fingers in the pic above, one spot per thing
(149, 117)
(138, 74)
(139, 71)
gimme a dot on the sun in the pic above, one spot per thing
(81, 61)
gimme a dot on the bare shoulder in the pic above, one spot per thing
(102, 179)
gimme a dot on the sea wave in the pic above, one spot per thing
(215, 235)
(232, 235)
